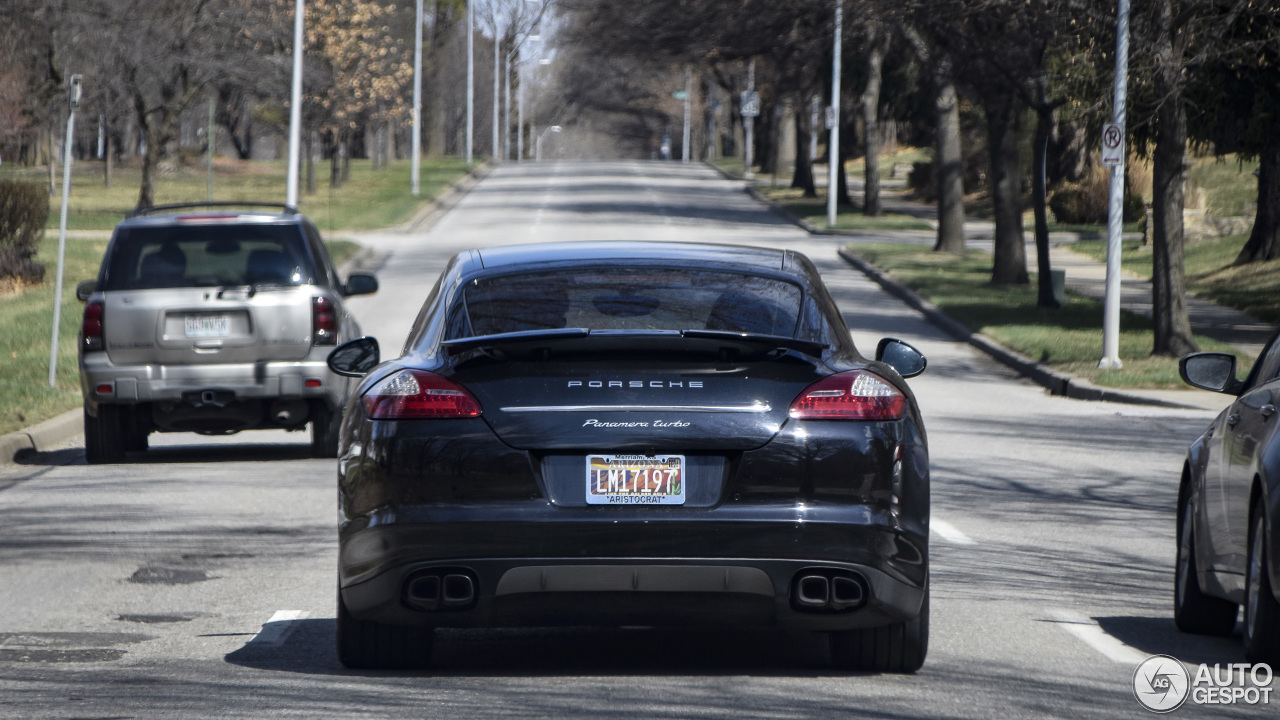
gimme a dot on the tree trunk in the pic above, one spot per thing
(108, 161)
(311, 163)
(52, 164)
(842, 179)
(870, 103)
(803, 177)
(1010, 254)
(1168, 282)
(1044, 128)
(948, 166)
(1264, 241)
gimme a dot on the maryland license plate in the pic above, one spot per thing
(635, 479)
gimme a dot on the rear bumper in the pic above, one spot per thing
(729, 566)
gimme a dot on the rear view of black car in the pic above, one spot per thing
(649, 434)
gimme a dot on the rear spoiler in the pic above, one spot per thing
(614, 340)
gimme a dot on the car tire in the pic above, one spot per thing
(896, 648)
(103, 436)
(364, 645)
(135, 432)
(324, 431)
(1193, 610)
(1261, 611)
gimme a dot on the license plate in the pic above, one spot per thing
(203, 326)
(635, 479)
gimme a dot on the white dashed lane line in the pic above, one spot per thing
(1095, 637)
(949, 532)
(276, 630)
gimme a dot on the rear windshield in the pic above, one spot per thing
(207, 256)
(628, 299)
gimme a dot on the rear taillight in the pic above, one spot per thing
(853, 395)
(417, 394)
(91, 327)
(324, 322)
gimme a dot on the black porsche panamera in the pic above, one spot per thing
(647, 434)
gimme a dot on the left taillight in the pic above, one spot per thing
(852, 395)
(324, 321)
(416, 395)
(91, 326)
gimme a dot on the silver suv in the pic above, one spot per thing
(210, 320)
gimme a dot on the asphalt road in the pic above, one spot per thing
(198, 579)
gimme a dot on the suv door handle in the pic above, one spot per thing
(1232, 419)
(1267, 410)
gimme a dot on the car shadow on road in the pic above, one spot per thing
(308, 648)
(207, 453)
(1159, 636)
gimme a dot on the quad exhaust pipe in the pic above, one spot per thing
(441, 589)
(828, 590)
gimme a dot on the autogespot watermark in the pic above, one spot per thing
(1163, 684)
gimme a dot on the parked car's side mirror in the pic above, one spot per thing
(908, 361)
(85, 288)
(360, 283)
(1210, 371)
(355, 358)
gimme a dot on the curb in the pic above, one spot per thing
(40, 437)
(64, 427)
(1057, 383)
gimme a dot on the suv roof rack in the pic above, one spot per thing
(137, 212)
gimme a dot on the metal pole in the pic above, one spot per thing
(471, 79)
(833, 146)
(62, 227)
(688, 102)
(209, 139)
(295, 108)
(519, 118)
(506, 108)
(1115, 209)
(815, 111)
(415, 166)
(749, 125)
(496, 49)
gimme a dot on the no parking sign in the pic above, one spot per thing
(1112, 145)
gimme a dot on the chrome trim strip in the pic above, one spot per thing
(753, 408)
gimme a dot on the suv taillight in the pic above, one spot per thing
(91, 326)
(324, 322)
(416, 395)
(852, 395)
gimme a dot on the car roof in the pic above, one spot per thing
(616, 250)
(213, 217)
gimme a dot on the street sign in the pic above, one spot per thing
(750, 104)
(1112, 145)
(831, 117)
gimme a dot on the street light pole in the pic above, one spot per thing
(295, 109)
(688, 90)
(1115, 209)
(833, 147)
(497, 48)
(73, 103)
(415, 165)
(471, 79)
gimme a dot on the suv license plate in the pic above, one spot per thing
(635, 479)
(203, 326)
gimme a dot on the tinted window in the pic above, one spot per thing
(207, 256)
(628, 299)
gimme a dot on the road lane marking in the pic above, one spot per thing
(949, 532)
(276, 630)
(1095, 637)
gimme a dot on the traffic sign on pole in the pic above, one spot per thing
(1112, 145)
(750, 104)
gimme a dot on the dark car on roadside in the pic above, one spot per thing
(213, 318)
(632, 434)
(1229, 508)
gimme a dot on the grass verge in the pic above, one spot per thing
(1068, 338)
(1253, 288)
(814, 210)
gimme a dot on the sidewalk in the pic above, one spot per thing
(1083, 275)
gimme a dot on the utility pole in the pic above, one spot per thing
(295, 108)
(1115, 208)
(688, 102)
(749, 121)
(415, 165)
(73, 103)
(471, 79)
(210, 136)
(833, 147)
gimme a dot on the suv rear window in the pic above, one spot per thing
(628, 299)
(207, 256)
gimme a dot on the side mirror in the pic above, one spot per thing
(908, 361)
(85, 288)
(1210, 371)
(360, 283)
(354, 358)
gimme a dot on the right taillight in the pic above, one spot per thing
(416, 395)
(852, 395)
(91, 326)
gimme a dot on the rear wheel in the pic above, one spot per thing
(324, 431)
(896, 648)
(364, 645)
(1194, 611)
(136, 431)
(104, 439)
(1261, 611)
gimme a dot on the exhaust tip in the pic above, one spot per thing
(440, 589)
(458, 589)
(813, 591)
(828, 590)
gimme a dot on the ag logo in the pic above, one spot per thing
(1161, 684)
